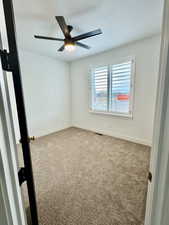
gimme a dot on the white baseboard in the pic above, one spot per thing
(52, 132)
(47, 133)
(123, 137)
(127, 138)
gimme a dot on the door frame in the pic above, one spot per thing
(12, 202)
(159, 161)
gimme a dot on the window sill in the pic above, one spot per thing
(128, 116)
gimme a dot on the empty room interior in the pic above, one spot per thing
(90, 75)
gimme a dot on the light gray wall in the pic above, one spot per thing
(46, 86)
(140, 128)
(57, 93)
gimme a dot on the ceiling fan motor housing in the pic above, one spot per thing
(69, 42)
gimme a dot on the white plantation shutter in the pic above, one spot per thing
(112, 88)
(120, 87)
(100, 86)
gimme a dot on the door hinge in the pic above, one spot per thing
(7, 60)
(150, 176)
(22, 175)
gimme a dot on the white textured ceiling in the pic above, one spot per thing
(121, 21)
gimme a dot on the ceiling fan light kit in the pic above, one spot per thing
(70, 46)
(70, 42)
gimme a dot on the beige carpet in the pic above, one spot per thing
(86, 179)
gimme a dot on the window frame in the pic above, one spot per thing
(132, 86)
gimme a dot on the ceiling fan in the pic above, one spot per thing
(70, 42)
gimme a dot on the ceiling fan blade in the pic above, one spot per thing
(82, 45)
(87, 35)
(61, 48)
(63, 26)
(48, 38)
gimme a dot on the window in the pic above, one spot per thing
(112, 88)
